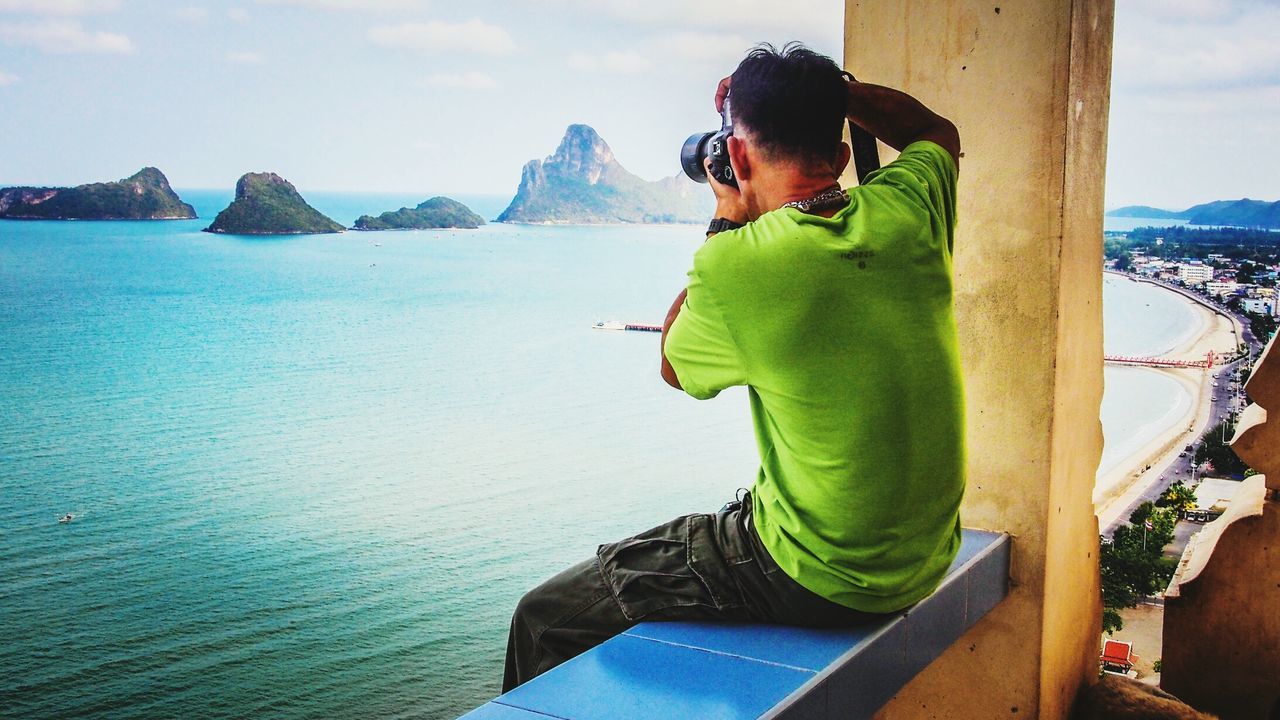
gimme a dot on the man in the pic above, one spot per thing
(835, 310)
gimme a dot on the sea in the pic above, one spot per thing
(311, 475)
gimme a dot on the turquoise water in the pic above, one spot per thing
(312, 475)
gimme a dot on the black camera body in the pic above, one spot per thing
(713, 145)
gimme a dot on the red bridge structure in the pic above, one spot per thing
(1206, 363)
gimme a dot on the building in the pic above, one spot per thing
(1221, 289)
(1261, 306)
(1194, 273)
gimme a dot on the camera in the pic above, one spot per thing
(714, 145)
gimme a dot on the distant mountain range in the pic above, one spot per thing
(583, 183)
(1240, 213)
(144, 195)
(580, 183)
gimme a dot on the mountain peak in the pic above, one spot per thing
(582, 182)
(582, 153)
(253, 181)
(149, 176)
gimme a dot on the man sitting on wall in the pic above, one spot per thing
(835, 309)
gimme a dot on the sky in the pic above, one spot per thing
(439, 96)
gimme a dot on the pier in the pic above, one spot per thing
(1206, 363)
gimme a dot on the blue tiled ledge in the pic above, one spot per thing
(728, 670)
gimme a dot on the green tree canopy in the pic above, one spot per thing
(1178, 497)
(1132, 563)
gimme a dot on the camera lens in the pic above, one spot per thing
(692, 155)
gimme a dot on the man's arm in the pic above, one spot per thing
(897, 119)
(668, 372)
(729, 206)
(894, 117)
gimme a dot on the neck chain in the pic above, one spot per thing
(825, 200)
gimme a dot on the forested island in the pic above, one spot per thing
(582, 182)
(145, 195)
(438, 212)
(267, 204)
(1239, 213)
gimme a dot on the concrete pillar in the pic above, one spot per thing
(1028, 85)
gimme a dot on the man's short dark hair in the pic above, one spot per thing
(792, 101)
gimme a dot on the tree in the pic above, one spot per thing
(1215, 450)
(1124, 263)
(1132, 563)
(1114, 248)
(1178, 497)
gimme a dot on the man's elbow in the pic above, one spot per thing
(947, 136)
(669, 374)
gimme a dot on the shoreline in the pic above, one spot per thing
(1116, 489)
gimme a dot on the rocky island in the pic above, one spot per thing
(145, 195)
(438, 212)
(267, 204)
(583, 183)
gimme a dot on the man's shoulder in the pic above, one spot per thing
(759, 243)
(924, 162)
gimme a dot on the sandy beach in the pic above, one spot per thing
(1116, 489)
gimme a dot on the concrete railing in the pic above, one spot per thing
(1222, 609)
(726, 670)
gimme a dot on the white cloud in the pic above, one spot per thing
(363, 5)
(724, 49)
(794, 16)
(7, 79)
(64, 37)
(238, 14)
(474, 36)
(244, 57)
(191, 13)
(618, 62)
(58, 7)
(469, 80)
(1181, 10)
(1210, 45)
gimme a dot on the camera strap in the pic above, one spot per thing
(866, 156)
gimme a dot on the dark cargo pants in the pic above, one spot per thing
(698, 567)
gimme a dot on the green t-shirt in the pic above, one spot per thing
(844, 332)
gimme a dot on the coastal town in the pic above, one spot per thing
(1162, 497)
(1236, 268)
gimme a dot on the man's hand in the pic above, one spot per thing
(729, 202)
(722, 92)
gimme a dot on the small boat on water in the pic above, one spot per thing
(66, 518)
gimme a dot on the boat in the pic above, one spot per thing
(66, 518)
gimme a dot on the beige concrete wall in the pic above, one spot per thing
(1222, 610)
(1028, 86)
(1222, 630)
